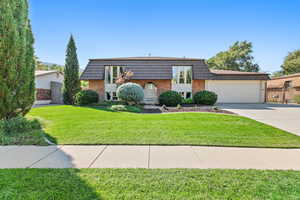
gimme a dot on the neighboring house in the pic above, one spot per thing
(283, 89)
(184, 75)
(48, 87)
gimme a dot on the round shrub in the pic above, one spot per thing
(170, 98)
(131, 93)
(205, 97)
(86, 97)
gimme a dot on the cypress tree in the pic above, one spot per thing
(71, 73)
(16, 59)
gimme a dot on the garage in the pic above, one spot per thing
(237, 91)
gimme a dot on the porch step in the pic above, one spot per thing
(149, 101)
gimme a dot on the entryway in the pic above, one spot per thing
(150, 93)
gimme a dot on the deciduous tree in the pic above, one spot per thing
(291, 63)
(238, 58)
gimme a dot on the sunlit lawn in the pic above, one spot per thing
(86, 125)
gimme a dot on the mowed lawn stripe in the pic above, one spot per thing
(94, 125)
(86, 184)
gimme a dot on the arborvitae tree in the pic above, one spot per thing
(71, 73)
(16, 59)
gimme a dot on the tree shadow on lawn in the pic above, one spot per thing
(54, 183)
(63, 184)
(50, 138)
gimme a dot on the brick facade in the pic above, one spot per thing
(162, 86)
(98, 86)
(43, 94)
(279, 91)
(198, 85)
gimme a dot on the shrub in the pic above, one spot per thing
(170, 98)
(187, 101)
(18, 125)
(297, 99)
(205, 97)
(86, 97)
(131, 93)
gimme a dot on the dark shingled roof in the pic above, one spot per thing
(149, 58)
(161, 68)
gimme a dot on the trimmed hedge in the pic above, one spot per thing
(86, 97)
(205, 97)
(131, 93)
(170, 98)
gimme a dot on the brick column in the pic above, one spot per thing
(98, 86)
(198, 85)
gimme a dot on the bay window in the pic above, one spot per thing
(182, 81)
(112, 73)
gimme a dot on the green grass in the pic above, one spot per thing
(86, 125)
(21, 131)
(87, 184)
(34, 137)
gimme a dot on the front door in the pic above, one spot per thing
(150, 94)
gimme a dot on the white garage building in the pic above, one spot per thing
(48, 86)
(237, 87)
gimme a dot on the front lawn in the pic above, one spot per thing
(86, 184)
(87, 125)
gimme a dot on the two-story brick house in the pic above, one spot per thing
(184, 75)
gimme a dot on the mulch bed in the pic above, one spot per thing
(185, 109)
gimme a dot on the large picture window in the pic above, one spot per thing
(182, 74)
(112, 73)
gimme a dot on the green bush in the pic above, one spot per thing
(205, 97)
(297, 99)
(18, 125)
(170, 98)
(131, 93)
(187, 101)
(86, 97)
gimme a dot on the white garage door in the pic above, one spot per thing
(237, 91)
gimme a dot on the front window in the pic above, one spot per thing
(288, 84)
(112, 73)
(111, 96)
(182, 74)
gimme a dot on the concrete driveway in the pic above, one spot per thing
(285, 117)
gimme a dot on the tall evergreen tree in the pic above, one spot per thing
(71, 73)
(16, 59)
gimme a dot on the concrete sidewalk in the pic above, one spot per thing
(114, 156)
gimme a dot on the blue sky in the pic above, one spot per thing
(191, 28)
